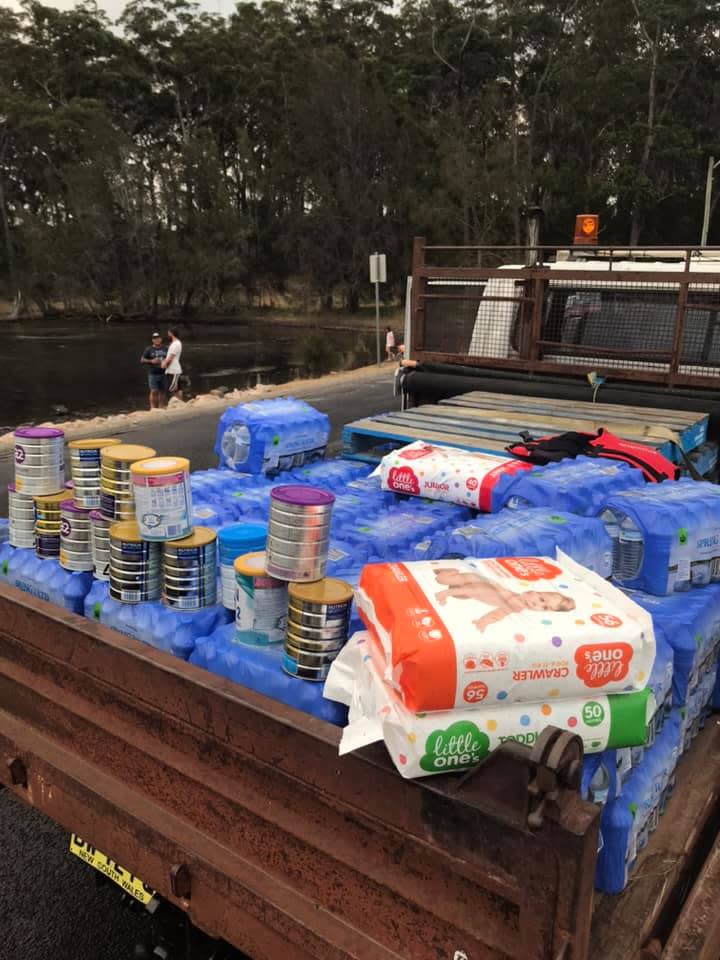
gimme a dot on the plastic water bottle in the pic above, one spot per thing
(618, 826)
(623, 769)
(612, 528)
(600, 785)
(701, 520)
(630, 550)
(235, 445)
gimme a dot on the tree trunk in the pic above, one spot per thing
(7, 237)
(638, 211)
(353, 300)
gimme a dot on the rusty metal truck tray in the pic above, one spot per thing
(239, 810)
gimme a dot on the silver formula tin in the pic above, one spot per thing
(47, 524)
(332, 645)
(189, 580)
(39, 460)
(134, 565)
(21, 519)
(75, 545)
(85, 469)
(116, 493)
(100, 545)
(298, 533)
(295, 669)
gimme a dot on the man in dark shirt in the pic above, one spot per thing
(154, 356)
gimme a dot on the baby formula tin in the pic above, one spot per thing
(261, 602)
(39, 460)
(21, 518)
(299, 532)
(116, 491)
(317, 627)
(100, 545)
(163, 502)
(190, 570)
(85, 470)
(47, 524)
(234, 540)
(75, 543)
(134, 564)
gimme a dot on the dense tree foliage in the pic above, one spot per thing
(179, 158)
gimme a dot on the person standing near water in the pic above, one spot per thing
(171, 364)
(154, 356)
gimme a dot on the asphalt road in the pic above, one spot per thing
(50, 906)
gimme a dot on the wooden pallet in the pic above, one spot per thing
(626, 421)
(489, 422)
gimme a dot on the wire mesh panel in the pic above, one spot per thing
(450, 310)
(655, 320)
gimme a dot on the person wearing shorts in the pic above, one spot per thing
(153, 356)
(171, 364)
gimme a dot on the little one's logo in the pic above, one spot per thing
(416, 454)
(65, 527)
(403, 480)
(601, 663)
(461, 745)
(530, 568)
(19, 455)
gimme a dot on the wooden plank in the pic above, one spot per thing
(622, 925)
(500, 432)
(580, 411)
(651, 434)
(361, 437)
(661, 415)
(692, 428)
(696, 935)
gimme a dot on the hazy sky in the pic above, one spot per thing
(114, 8)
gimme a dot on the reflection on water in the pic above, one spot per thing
(90, 367)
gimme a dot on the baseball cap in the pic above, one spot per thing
(156, 335)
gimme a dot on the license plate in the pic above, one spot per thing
(103, 864)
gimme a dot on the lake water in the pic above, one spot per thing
(91, 367)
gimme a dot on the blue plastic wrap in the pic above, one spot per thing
(335, 475)
(270, 436)
(577, 486)
(628, 821)
(393, 535)
(174, 631)
(44, 578)
(669, 536)
(690, 624)
(259, 669)
(527, 532)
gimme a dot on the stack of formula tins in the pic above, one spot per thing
(49, 520)
(154, 551)
(282, 592)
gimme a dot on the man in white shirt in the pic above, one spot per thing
(171, 364)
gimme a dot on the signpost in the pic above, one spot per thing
(378, 275)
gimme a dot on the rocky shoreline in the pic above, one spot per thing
(205, 403)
